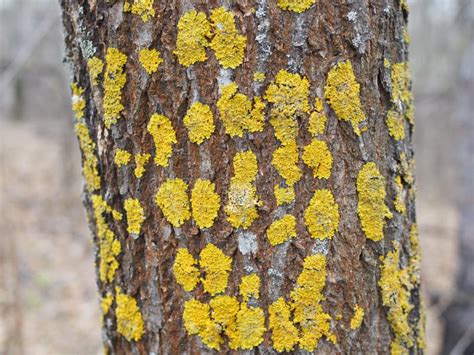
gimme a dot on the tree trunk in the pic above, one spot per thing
(248, 171)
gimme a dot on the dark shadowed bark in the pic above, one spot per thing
(255, 149)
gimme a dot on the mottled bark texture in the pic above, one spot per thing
(322, 105)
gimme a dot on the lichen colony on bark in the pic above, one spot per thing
(248, 170)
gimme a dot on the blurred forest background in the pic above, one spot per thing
(48, 297)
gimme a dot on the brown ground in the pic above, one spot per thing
(47, 287)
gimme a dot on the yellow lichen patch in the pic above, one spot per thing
(193, 33)
(140, 161)
(197, 321)
(109, 246)
(322, 215)
(414, 256)
(126, 6)
(96, 67)
(227, 43)
(371, 206)
(406, 35)
(205, 203)
(250, 287)
(237, 114)
(289, 95)
(408, 167)
(317, 119)
(395, 124)
(282, 229)
(224, 311)
(135, 216)
(199, 121)
(284, 333)
(404, 5)
(122, 157)
(115, 79)
(129, 319)
(420, 339)
(245, 167)
(284, 195)
(285, 129)
(150, 60)
(106, 302)
(395, 288)
(358, 317)
(90, 161)
(242, 201)
(319, 158)
(216, 266)
(399, 201)
(78, 102)
(242, 204)
(249, 328)
(296, 5)
(402, 96)
(285, 160)
(164, 136)
(342, 92)
(306, 303)
(172, 198)
(185, 270)
(259, 77)
(143, 8)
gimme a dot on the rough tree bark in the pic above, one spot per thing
(248, 169)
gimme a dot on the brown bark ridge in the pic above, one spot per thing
(276, 216)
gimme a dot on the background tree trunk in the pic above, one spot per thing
(298, 63)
